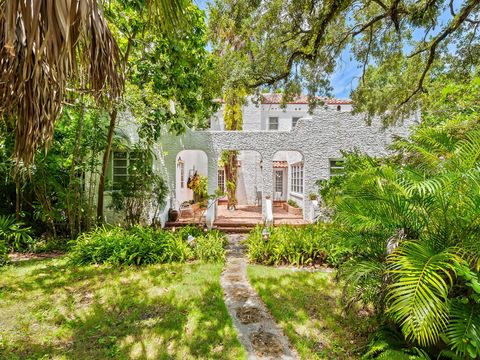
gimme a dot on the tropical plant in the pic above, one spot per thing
(412, 223)
(13, 235)
(65, 41)
(210, 247)
(294, 246)
(142, 245)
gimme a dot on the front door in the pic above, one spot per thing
(278, 194)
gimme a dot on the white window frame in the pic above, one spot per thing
(296, 178)
(270, 123)
(128, 158)
(181, 164)
(221, 180)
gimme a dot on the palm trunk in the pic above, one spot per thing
(106, 160)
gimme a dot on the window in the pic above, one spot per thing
(123, 164)
(221, 180)
(181, 165)
(339, 108)
(296, 184)
(336, 167)
(273, 123)
(294, 121)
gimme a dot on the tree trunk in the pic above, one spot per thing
(106, 159)
(18, 197)
(74, 196)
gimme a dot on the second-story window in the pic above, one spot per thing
(294, 121)
(273, 123)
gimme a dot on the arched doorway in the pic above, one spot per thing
(191, 184)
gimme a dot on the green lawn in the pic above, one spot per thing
(307, 306)
(51, 310)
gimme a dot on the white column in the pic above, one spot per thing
(212, 187)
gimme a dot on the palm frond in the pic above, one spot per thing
(463, 330)
(44, 45)
(417, 298)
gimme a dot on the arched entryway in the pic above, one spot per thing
(249, 189)
(288, 187)
(191, 185)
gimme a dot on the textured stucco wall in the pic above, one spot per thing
(319, 139)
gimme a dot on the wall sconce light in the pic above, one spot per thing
(179, 161)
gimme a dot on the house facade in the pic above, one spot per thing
(283, 151)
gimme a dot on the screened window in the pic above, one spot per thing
(221, 180)
(296, 184)
(294, 121)
(337, 167)
(273, 123)
(124, 163)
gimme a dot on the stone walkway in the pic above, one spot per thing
(257, 331)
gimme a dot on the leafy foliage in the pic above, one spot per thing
(411, 222)
(14, 235)
(298, 46)
(140, 245)
(295, 246)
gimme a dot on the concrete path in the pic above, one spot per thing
(257, 331)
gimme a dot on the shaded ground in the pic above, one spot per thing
(51, 310)
(307, 306)
(257, 330)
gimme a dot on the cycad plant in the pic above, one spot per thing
(413, 221)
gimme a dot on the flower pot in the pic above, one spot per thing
(173, 215)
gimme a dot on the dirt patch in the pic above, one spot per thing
(14, 257)
(266, 344)
(240, 294)
(249, 315)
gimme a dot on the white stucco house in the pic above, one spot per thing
(284, 150)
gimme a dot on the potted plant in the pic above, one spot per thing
(292, 207)
(314, 199)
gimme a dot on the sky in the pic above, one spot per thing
(348, 71)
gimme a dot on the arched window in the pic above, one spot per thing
(339, 108)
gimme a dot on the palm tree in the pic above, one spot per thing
(46, 45)
(414, 221)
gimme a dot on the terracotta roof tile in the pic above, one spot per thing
(275, 98)
(280, 164)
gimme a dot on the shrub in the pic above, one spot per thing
(3, 252)
(295, 246)
(14, 235)
(210, 248)
(141, 245)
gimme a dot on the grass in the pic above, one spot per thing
(307, 306)
(49, 309)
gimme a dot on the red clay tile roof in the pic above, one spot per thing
(280, 164)
(276, 98)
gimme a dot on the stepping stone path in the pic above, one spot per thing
(257, 331)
